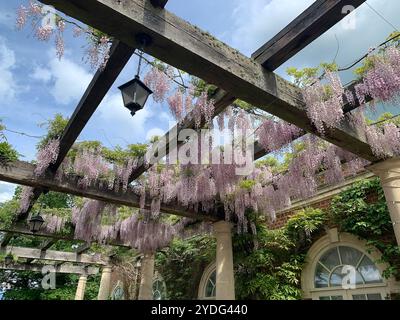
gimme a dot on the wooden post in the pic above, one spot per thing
(389, 173)
(146, 281)
(80, 290)
(225, 281)
(105, 283)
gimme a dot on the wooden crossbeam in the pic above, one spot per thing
(6, 239)
(51, 255)
(188, 48)
(23, 173)
(159, 3)
(102, 81)
(315, 20)
(47, 244)
(69, 269)
(289, 36)
(83, 248)
(22, 229)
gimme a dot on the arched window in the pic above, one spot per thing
(207, 287)
(159, 288)
(118, 292)
(341, 268)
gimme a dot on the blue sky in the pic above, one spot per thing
(34, 85)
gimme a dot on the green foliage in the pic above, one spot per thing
(7, 153)
(307, 221)
(55, 128)
(362, 210)
(182, 264)
(26, 286)
(7, 213)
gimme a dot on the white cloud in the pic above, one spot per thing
(8, 86)
(155, 132)
(71, 80)
(67, 80)
(6, 191)
(117, 122)
(256, 21)
(41, 74)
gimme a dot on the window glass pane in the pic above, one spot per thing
(369, 271)
(321, 277)
(374, 296)
(338, 275)
(350, 256)
(324, 298)
(337, 297)
(330, 259)
(210, 287)
(359, 297)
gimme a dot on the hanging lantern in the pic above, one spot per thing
(35, 223)
(135, 93)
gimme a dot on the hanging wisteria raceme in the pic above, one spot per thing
(146, 235)
(53, 223)
(324, 101)
(89, 165)
(158, 82)
(88, 220)
(98, 48)
(46, 156)
(384, 142)
(382, 81)
(25, 199)
(273, 135)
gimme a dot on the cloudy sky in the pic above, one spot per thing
(35, 85)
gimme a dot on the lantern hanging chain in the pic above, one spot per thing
(140, 62)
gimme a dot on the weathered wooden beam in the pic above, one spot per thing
(71, 269)
(101, 83)
(186, 47)
(6, 239)
(23, 173)
(47, 244)
(159, 3)
(51, 255)
(222, 101)
(308, 26)
(83, 248)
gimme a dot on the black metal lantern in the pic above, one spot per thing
(35, 223)
(8, 259)
(135, 93)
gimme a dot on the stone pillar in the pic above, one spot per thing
(105, 283)
(389, 173)
(146, 277)
(80, 290)
(225, 282)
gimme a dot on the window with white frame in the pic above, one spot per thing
(344, 268)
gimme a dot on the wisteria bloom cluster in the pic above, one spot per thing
(140, 231)
(48, 25)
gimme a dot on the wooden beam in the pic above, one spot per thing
(186, 47)
(101, 83)
(308, 26)
(47, 244)
(6, 239)
(159, 3)
(23, 173)
(83, 248)
(51, 255)
(71, 269)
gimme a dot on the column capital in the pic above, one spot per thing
(222, 227)
(106, 269)
(388, 171)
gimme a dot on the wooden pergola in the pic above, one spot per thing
(186, 47)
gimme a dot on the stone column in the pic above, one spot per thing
(389, 173)
(80, 290)
(225, 282)
(105, 283)
(146, 277)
